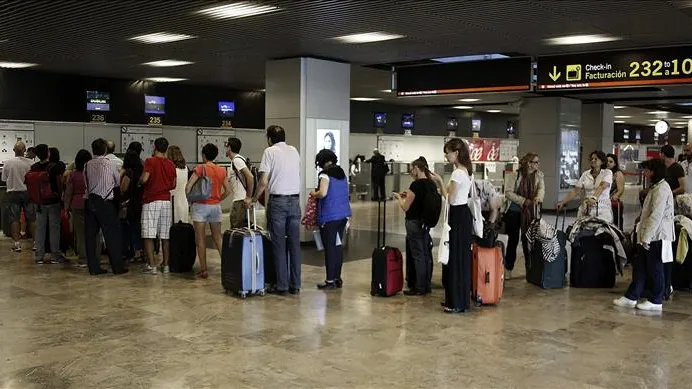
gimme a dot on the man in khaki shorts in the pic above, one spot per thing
(242, 182)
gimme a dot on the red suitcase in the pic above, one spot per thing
(387, 263)
(487, 274)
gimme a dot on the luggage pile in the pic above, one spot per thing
(547, 262)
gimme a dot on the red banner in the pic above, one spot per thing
(484, 150)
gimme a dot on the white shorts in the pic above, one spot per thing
(157, 219)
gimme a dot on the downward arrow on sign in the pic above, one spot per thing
(555, 75)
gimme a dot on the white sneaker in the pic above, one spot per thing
(148, 269)
(624, 302)
(165, 269)
(649, 306)
(508, 274)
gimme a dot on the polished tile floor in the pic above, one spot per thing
(60, 328)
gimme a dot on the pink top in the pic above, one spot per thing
(76, 179)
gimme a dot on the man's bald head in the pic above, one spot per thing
(19, 149)
(110, 147)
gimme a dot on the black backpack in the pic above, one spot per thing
(253, 170)
(433, 208)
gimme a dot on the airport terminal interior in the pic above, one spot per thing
(399, 79)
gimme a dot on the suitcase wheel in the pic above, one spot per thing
(262, 292)
(372, 293)
(479, 301)
(242, 295)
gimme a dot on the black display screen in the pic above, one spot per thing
(380, 119)
(610, 69)
(498, 75)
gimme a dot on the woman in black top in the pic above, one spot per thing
(617, 188)
(418, 242)
(131, 208)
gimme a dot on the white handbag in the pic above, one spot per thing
(443, 250)
(475, 207)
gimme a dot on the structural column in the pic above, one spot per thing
(550, 127)
(310, 99)
(596, 130)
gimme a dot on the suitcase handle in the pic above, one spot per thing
(564, 218)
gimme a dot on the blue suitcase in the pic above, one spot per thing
(242, 262)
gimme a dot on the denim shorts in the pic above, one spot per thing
(206, 213)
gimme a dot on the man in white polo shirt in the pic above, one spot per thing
(280, 168)
(17, 196)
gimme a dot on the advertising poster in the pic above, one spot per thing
(491, 150)
(476, 149)
(329, 139)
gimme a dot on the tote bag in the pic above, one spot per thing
(201, 190)
(475, 208)
(443, 250)
(310, 217)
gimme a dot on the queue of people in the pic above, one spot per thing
(130, 205)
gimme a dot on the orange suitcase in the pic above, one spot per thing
(487, 275)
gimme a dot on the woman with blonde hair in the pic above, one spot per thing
(180, 205)
(525, 199)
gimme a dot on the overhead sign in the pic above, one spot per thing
(610, 69)
(497, 75)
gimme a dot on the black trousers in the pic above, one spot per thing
(333, 254)
(513, 229)
(102, 214)
(456, 274)
(647, 266)
(378, 191)
(419, 262)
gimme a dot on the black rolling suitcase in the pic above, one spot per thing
(592, 265)
(549, 273)
(183, 248)
(242, 261)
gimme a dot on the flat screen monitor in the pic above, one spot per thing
(380, 119)
(98, 101)
(511, 130)
(452, 124)
(226, 108)
(407, 120)
(475, 125)
(155, 105)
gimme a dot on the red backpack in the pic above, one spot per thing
(38, 185)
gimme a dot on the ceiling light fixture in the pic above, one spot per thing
(161, 37)
(364, 98)
(463, 107)
(237, 10)
(16, 65)
(619, 121)
(165, 79)
(165, 63)
(687, 117)
(622, 117)
(657, 113)
(618, 106)
(581, 39)
(468, 100)
(367, 37)
(494, 111)
(469, 58)
(386, 90)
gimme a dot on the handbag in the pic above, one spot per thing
(443, 250)
(475, 207)
(201, 190)
(310, 216)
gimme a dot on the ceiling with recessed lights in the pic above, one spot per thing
(228, 43)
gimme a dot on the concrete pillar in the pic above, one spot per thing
(310, 99)
(550, 127)
(596, 130)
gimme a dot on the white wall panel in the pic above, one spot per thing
(67, 137)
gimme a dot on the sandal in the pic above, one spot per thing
(203, 274)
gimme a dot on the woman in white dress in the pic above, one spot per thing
(181, 210)
(595, 185)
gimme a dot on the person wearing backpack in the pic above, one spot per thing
(242, 181)
(422, 204)
(44, 184)
(333, 211)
